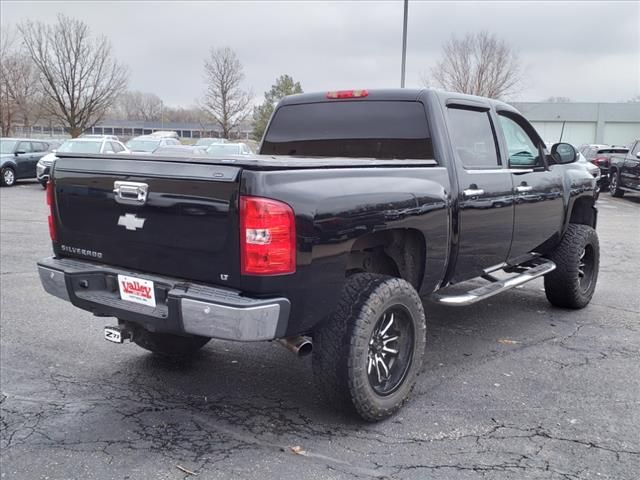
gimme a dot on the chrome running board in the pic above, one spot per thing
(499, 286)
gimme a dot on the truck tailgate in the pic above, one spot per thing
(186, 225)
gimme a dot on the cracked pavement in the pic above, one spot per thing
(512, 387)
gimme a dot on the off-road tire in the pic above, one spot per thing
(167, 344)
(7, 173)
(342, 342)
(564, 287)
(614, 185)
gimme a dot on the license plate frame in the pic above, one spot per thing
(137, 290)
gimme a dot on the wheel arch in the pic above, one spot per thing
(400, 252)
(583, 212)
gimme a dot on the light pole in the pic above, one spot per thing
(404, 43)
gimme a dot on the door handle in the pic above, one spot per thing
(523, 188)
(473, 192)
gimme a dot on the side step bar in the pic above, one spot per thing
(499, 286)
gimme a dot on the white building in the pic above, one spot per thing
(578, 123)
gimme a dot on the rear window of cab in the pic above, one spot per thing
(361, 129)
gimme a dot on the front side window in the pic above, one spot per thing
(522, 149)
(24, 147)
(472, 138)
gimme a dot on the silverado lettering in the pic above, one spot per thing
(360, 203)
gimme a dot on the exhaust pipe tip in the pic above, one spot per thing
(299, 346)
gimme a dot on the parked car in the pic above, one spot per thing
(593, 170)
(19, 157)
(147, 144)
(362, 202)
(180, 150)
(205, 142)
(223, 149)
(88, 144)
(599, 155)
(624, 171)
(166, 134)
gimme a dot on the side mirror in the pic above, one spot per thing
(564, 153)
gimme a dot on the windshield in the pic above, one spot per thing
(360, 129)
(143, 145)
(72, 146)
(223, 149)
(7, 146)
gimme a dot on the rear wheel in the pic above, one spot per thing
(367, 356)
(614, 185)
(577, 259)
(7, 177)
(167, 344)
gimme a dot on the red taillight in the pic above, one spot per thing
(52, 224)
(267, 237)
(348, 94)
(600, 161)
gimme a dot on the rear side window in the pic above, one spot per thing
(361, 129)
(472, 138)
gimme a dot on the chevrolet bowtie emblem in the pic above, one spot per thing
(130, 221)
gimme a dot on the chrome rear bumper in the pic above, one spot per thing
(181, 307)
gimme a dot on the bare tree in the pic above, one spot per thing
(135, 105)
(20, 92)
(478, 64)
(224, 99)
(79, 77)
(7, 105)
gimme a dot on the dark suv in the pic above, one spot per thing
(18, 158)
(600, 156)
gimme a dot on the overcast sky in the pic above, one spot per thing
(588, 51)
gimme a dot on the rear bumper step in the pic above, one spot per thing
(541, 268)
(182, 307)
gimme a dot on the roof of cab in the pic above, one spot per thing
(401, 94)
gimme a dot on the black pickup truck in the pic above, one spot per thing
(624, 171)
(360, 203)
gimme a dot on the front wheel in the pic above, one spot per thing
(368, 354)
(167, 344)
(8, 177)
(614, 185)
(577, 259)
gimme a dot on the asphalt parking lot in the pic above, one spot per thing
(512, 388)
